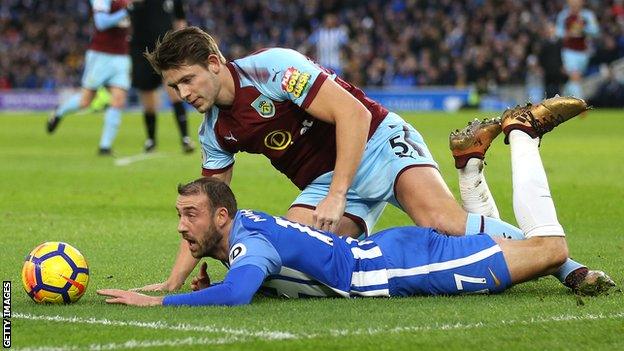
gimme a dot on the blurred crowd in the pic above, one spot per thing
(371, 43)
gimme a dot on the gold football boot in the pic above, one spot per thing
(537, 120)
(474, 140)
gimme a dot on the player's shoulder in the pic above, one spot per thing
(253, 221)
(250, 225)
(270, 57)
(101, 5)
(253, 218)
(587, 12)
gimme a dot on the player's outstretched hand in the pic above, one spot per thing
(164, 286)
(328, 212)
(130, 298)
(202, 281)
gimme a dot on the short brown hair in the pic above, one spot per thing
(218, 193)
(187, 46)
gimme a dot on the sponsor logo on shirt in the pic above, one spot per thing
(264, 106)
(230, 137)
(306, 125)
(295, 82)
(278, 140)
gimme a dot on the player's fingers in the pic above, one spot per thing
(109, 292)
(326, 226)
(317, 223)
(333, 227)
(203, 270)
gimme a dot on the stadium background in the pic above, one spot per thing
(490, 47)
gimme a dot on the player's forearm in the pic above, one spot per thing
(560, 31)
(591, 27)
(351, 137)
(104, 21)
(183, 266)
(237, 288)
(225, 176)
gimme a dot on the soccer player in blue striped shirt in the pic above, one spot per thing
(400, 261)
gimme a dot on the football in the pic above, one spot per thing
(55, 272)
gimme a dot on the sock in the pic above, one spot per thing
(180, 116)
(68, 106)
(112, 120)
(475, 193)
(476, 224)
(532, 202)
(150, 124)
(563, 274)
(533, 205)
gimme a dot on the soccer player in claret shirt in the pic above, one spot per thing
(348, 154)
(150, 21)
(576, 26)
(401, 261)
(106, 64)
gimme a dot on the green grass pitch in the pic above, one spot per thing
(120, 214)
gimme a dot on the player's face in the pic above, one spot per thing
(195, 84)
(575, 5)
(197, 225)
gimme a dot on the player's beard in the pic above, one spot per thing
(208, 243)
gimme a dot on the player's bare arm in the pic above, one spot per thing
(225, 176)
(335, 105)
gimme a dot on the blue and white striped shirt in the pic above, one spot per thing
(293, 252)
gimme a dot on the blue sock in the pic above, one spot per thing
(568, 267)
(112, 120)
(476, 224)
(68, 106)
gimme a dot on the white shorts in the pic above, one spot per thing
(106, 69)
(574, 61)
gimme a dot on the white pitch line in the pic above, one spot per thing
(462, 326)
(137, 344)
(241, 335)
(265, 335)
(124, 161)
